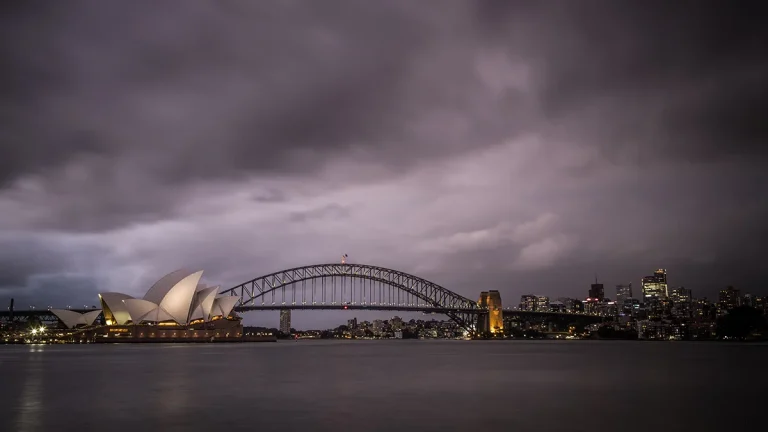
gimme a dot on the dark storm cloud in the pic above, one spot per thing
(229, 90)
(22, 257)
(35, 268)
(273, 82)
(216, 90)
(685, 80)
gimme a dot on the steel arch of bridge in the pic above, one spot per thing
(324, 285)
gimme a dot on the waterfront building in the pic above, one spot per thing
(397, 323)
(176, 299)
(352, 323)
(73, 319)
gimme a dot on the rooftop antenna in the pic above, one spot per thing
(344, 258)
(595, 278)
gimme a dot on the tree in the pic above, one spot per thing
(740, 322)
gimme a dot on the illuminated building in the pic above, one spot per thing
(285, 321)
(557, 306)
(74, 319)
(494, 322)
(623, 293)
(528, 302)
(352, 323)
(729, 299)
(590, 305)
(681, 302)
(177, 298)
(572, 305)
(655, 286)
(542, 304)
(176, 307)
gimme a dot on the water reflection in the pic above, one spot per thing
(29, 408)
(379, 386)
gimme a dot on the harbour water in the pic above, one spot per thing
(405, 385)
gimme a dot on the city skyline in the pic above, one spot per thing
(510, 146)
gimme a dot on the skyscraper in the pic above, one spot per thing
(285, 321)
(597, 291)
(623, 293)
(655, 286)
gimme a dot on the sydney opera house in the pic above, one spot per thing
(176, 307)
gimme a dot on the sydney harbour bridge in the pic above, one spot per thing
(343, 286)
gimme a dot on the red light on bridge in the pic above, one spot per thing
(345, 307)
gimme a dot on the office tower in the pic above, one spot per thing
(596, 291)
(528, 302)
(285, 321)
(655, 286)
(623, 293)
(352, 323)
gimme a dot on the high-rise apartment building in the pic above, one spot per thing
(729, 298)
(528, 302)
(623, 293)
(682, 302)
(655, 286)
(681, 295)
(542, 304)
(285, 321)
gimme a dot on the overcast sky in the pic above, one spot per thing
(511, 145)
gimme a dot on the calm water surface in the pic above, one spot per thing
(385, 386)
